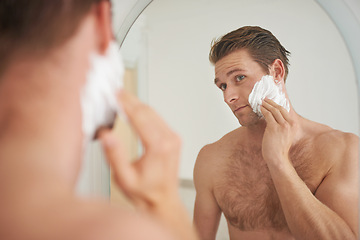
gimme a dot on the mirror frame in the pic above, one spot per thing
(130, 18)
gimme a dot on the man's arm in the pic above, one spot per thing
(332, 214)
(206, 212)
(151, 182)
(339, 189)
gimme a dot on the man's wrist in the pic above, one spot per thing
(278, 164)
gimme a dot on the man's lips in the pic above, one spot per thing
(240, 108)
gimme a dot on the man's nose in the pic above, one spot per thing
(230, 95)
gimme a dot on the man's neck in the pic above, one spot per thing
(255, 132)
(40, 116)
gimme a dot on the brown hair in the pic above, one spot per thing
(37, 25)
(261, 44)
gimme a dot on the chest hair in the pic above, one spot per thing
(246, 193)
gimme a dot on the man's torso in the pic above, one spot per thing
(245, 191)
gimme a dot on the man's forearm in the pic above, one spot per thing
(306, 216)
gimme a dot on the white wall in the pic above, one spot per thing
(321, 83)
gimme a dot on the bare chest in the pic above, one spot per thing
(246, 194)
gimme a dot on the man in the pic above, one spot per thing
(279, 176)
(47, 49)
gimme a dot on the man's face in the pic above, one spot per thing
(236, 75)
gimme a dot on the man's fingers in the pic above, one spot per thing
(116, 156)
(151, 128)
(269, 118)
(284, 113)
(274, 112)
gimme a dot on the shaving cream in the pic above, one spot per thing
(98, 97)
(267, 88)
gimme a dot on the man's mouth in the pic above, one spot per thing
(240, 108)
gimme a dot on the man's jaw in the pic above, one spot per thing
(245, 117)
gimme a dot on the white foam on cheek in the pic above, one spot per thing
(267, 88)
(98, 97)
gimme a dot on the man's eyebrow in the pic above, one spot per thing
(229, 73)
(234, 70)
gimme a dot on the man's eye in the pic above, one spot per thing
(239, 78)
(222, 86)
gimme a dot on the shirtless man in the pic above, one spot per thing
(277, 177)
(45, 52)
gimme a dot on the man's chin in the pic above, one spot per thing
(249, 120)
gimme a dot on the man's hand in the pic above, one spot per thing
(279, 133)
(151, 180)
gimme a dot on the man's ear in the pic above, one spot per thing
(104, 25)
(277, 70)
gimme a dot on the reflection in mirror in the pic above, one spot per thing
(167, 51)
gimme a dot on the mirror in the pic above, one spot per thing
(169, 43)
(167, 50)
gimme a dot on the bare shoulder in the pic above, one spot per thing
(335, 141)
(211, 153)
(73, 218)
(222, 145)
(341, 149)
(211, 156)
(99, 220)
